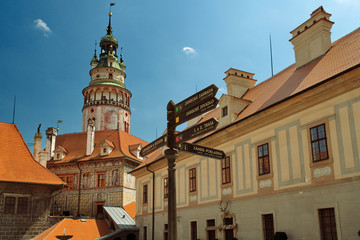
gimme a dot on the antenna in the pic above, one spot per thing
(271, 58)
(13, 121)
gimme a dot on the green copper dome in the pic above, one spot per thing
(110, 38)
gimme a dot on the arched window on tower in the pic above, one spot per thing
(110, 76)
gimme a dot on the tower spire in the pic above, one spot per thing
(109, 29)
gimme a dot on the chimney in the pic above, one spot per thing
(37, 144)
(90, 140)
(312, 39)
(43, 156)
(51, 134)
(238, 82)
(231, 104)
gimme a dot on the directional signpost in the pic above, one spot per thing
(200, 150)
(153, 146)
(197, 130)
(184, 111)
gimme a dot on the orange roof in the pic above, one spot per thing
(75, 144)
(80, 229)
(343, 55)
(16, 160)
(130, 209)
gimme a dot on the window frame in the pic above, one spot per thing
(260, 159)
(224, 111)
(265, 227)
(334, 218)
(98, 185)
(192, 180)
(166, 187)
(226, 170)
(193, 230)
(69, 179)
(15, 205)
(318, 140)
(145, 194)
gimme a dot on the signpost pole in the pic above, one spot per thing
(171, 154)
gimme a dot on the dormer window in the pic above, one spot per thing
(135, 150)
(59, 153)
(106, 148)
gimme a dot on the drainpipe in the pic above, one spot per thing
(153, 202)
(78, 211)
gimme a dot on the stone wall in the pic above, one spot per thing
(35, 221)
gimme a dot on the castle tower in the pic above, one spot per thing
(106, 99)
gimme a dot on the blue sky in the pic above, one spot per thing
(171, 48)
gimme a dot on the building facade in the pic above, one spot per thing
(292, 152)
(96, 162)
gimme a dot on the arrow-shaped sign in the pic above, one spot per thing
(197, 130)
(197, 110)
(151, 147)
(200, 150)
(195, 99)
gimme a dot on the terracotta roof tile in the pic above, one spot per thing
(75, 144)
(344, 54)
(87, 229)
(130, 209)
(16, 160)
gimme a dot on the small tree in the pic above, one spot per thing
(280, 236)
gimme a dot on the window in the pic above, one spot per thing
(16, 205)
(22, 205)
(327, 224)
(166, 187)
(58, 156)
(224, 111)
(9, 207)
(228, 221)
(101, 180)
(145, 194)
(104, 150)
(192, 180)
(268, 226)
(110, 76)
(69, 179)
(319, 143)
(145, 233)
(210, 229)
(166, 232)
(225, 170)
(263, 159)
(193, 230)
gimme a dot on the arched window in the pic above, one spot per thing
(110, 76)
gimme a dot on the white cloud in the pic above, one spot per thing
(42, 26)
(190, 51)
(221, 89)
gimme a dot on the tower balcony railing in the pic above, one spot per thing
(107, 102)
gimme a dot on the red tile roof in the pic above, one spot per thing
(16, 161)
(343, 55)
(75, 144)
(130, 209)
(86, 229)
